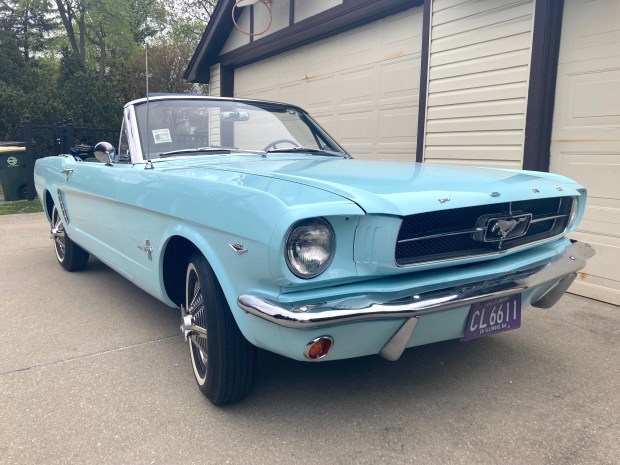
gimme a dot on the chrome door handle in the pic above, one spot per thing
(67, 171)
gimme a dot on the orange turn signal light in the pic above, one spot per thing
(319, 347)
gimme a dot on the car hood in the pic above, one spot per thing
(400, 188)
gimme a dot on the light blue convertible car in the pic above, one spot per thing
(253, 221)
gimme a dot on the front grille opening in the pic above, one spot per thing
(450, 234)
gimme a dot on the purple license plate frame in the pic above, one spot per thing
(493, 316)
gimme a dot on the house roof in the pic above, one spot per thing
(349, 14)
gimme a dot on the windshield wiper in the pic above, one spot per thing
(196, 150)
(328, 153)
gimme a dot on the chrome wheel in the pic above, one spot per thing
(69, 255)
(223, 360)
(58, 235)
(195, 324)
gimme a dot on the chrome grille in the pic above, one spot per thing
(450, 234)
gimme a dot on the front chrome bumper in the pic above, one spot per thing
(557, 273)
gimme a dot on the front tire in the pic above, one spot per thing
(69, 255)
(223, 361)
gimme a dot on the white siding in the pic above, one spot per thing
(305, 9)
(279, 16)
(362, 85)
(236, 38)
(215, 83)
(215, 90)
(586, 134)
(478, 82)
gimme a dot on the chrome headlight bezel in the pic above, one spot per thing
(574, 213)
(304, 235)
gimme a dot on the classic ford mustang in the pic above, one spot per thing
(265, 232)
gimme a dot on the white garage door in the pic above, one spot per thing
(586, 133)
(361, 85)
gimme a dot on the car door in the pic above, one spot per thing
(90, 193)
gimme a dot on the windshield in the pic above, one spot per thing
(181, 127)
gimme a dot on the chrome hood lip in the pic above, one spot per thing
(392, 188)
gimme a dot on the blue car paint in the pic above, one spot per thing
(254, 200)
(150, 207)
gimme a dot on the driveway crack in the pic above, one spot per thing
(94, 354)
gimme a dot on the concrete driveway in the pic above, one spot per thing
(94, 371)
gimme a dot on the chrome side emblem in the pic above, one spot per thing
(443, 200)
(495, 194)
(535, 191)
(61, 201)
(147, 248)
(559, 189)
(238, 248)
(495, 228)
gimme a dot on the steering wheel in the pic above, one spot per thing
(278, 142)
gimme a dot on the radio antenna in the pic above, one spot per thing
(149, 163)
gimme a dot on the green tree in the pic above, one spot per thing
(83, 59)
(169, 56)
(97, 30)
(32, 23)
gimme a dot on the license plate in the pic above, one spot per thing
(493, 316)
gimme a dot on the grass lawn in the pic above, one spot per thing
(21, 206)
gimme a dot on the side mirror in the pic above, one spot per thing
(104, 152)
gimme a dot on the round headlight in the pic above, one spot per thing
(310, 247)
(573, 213)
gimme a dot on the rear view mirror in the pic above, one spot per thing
(234, 115)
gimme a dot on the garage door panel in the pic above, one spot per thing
(402, 35)
(595, 288)
(586, 134)
(595, 165)
(321, 94)
(320, 63)
(327, 121)
(295, 94)
(356, 86)
(601, 220)
(589, 108)
(350, 82)
(357, 129)
(395, 125)
(599, 279)
(355, 47)
(398, 79)
(591, 30)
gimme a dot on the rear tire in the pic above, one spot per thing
(69, 255)
(222, 359)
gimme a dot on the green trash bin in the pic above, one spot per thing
(13, 170)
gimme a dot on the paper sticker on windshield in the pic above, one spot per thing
(161, 136)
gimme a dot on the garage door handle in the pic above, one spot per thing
(67, 171)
